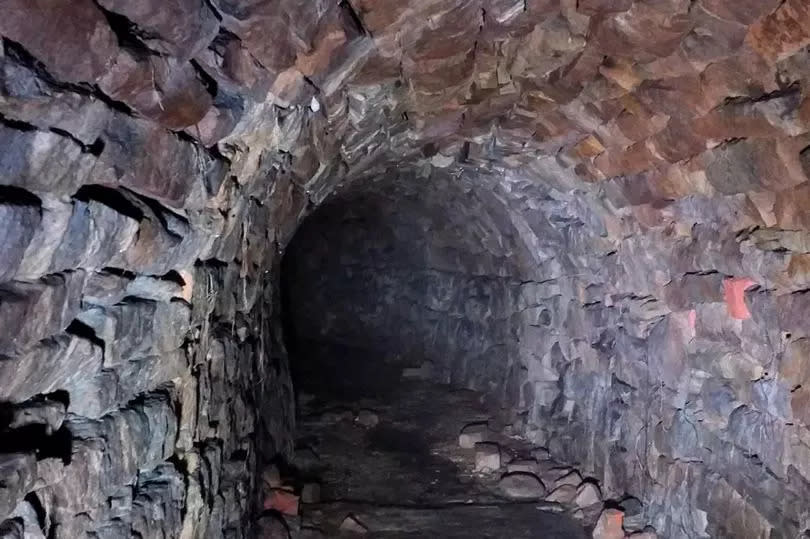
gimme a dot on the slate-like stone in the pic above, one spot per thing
(19, 222)
(17, 475)
(160, 164)
(33, 311)
(60, 363)
(43, 412)
(73, 41)
(522, 486)
(180, 28)
(162, 89)
(25, 97)
(138, 328)
(42, 161)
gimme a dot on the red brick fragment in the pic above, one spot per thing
(734, 290)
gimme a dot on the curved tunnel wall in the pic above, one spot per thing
(413, 271)
(649, 160)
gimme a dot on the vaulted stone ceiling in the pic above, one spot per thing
(630, 178)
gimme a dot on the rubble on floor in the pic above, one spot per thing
(425, 460)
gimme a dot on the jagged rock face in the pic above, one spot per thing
(607, 198)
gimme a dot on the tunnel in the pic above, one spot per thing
(404, 268)
(412, 277)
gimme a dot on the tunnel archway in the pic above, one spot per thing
(411, 273)
(615, 195)
(403, 331)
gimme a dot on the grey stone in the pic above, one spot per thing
(44, 412)
(472, 434)
(522, 486)
(31, 312)
(588, 494)
(487, 457)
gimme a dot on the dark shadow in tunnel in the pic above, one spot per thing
(388, 276)
(327, 365)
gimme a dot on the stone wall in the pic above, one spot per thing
(633, 173)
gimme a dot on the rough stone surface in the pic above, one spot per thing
(487, 457)
(609, 525)
(522, 486)
(587, 495)
(472, 434)
(560, 204)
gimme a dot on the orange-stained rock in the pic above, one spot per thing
(609, 525)
(637, 121)
(620, 71)
(783, 32)
(734, 291)
(634, 160)
(283, 501)
(587, 148)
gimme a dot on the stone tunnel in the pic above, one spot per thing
(404, 268)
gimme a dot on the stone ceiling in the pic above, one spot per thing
(645, 162)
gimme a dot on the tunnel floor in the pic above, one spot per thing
(383, 446)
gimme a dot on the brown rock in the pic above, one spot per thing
(594, 7)
(677, 141)
(754, 164)
(255, 21)
(160, 164)
(742, 11)
(162, 89)
(378, 15)
(178, 28)
(73, 39)
(643, 32)
(783, 32)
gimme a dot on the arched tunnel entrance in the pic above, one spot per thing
(573, 232)
(408, 279)
(402, 320)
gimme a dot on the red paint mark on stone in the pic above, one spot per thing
(282, 501)
(609, 525)
(734, 290)
(692, 320)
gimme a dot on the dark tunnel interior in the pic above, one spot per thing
(480, 269)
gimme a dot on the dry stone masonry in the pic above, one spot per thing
(595, 212)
